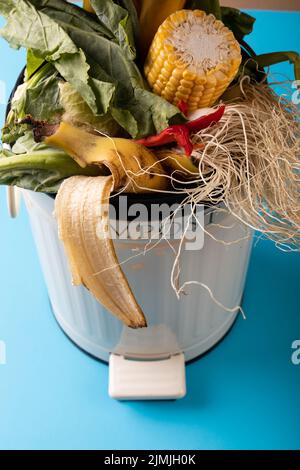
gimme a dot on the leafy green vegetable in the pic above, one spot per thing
(97, 67)
(65, 12)
(209, 6)
(240, 23)
(131, 8)
(26, 144)
(118, 21)
(12, 131)
(43, 99)
(77, 112)
(38, 97)
(39, 168)
(266, 60)
(33, 63)
(34, 30)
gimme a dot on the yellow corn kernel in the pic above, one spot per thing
(193, 57)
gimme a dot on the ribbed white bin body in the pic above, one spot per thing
(191, 325)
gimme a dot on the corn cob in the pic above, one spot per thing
(193, 58)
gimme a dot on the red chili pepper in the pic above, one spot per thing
(180, 133)
(205, 121)
(183, 107)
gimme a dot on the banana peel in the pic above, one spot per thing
(82, 213)
(81, 209)
(133, 167)
(176, 162)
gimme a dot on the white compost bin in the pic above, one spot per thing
(149, 363)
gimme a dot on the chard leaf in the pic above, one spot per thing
(113, 21)
(125, 119)
(74, 69)
(209, 6)
(43, 99)
(104, 93)
(163, 113)
(33, 63)
(77, 112)
(40, 168)
(266, 60)
(108, 55)
(146, 114)
(131, 8)
(66, 12)
(240, 23)
(34, 30)
(38, 97)
(118, 21)
(96, 67)
(26, 144)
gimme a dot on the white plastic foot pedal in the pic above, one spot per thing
(140, 379)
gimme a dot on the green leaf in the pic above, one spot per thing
(74, 69)
(34, 30)
(38, 97)
(40, 168)
(125, 119)
(266, 60)
(117, 20)
(108, 55)
(65, 12)
(40, 171)
(33, 63)
(77, 112)
(130, 7)
(114, 22)
(163, 113)
(240, 23)
(96, 67)
(209, 6)
(26, 144)
(104, 93)
(43, 99)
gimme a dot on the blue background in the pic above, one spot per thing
(245, 394)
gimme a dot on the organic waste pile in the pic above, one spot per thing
(122, 96)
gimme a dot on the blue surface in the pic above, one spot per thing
(242, 395)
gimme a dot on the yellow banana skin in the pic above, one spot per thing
(83, 222)
(133, 166)
(177, 162)
(83, 217)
